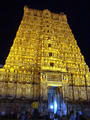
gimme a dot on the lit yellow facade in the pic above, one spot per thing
(44, 53)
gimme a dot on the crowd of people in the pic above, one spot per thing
(71, 116)
(76, 116)
(36, 116)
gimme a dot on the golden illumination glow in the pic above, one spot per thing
(44, 53)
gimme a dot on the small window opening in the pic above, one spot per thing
(49, 45)
(52, 64)
(50, 54)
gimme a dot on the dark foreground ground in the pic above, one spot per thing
(42, 118)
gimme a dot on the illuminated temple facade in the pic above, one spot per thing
(44, 54)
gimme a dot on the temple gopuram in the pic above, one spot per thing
(44, 64)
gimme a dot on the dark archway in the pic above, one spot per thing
(56, 104)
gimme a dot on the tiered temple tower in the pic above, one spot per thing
(44, 54)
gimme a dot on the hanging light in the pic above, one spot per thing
(51, 106)
(55, 106)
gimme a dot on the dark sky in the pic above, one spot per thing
(77, 12)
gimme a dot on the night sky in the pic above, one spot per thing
(77, 12)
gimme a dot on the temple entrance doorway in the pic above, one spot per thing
(56, 104)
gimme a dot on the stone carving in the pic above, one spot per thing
(45, 52)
